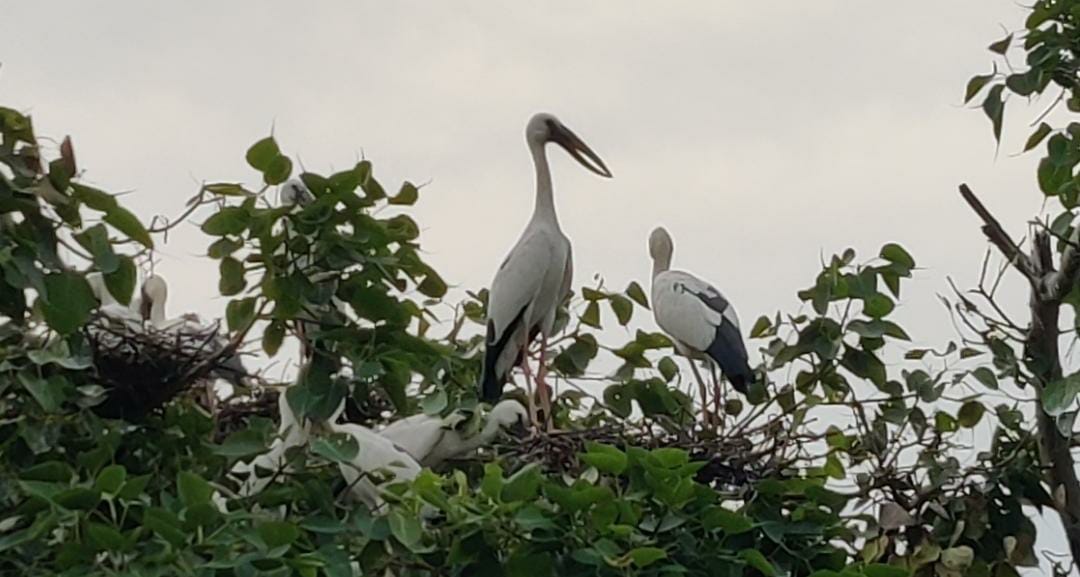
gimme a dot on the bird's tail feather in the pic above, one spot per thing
(491, 383)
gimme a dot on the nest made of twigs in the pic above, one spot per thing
(142, 367)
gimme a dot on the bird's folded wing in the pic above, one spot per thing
(518, 280)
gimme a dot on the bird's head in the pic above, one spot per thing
(510, 416)
(154, 290)
(544, 128)
(295, 193)
(660, 245)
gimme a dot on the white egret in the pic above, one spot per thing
(699, 320)
(535, 277)
(432, 440)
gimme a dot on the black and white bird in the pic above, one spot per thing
(535, 277)
(700, 321)
(431, 440)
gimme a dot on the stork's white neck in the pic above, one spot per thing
(545, 201)
(661, 264)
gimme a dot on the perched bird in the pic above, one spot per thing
(700, 321)
(432, 440)
(377, 464)
(535, 277)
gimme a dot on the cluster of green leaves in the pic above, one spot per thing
(1050, 42)
(337, 269)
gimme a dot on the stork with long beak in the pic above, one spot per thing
(535, 277)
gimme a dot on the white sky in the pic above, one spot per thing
(761, 134)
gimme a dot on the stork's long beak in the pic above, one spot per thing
(565, 138)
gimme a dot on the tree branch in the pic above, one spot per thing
(1000, 238)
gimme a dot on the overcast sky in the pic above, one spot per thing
(761, 134)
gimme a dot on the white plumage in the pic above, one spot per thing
(378, 464)
(535, 277)
(262, 469)
(431, 440)
(109, 306)
(700, 321)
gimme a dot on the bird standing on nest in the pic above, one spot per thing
(700, 321)
(534, 279)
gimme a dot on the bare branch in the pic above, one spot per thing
(999, 237)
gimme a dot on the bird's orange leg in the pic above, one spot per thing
(541, 384)
(528, 386)
(705, 416)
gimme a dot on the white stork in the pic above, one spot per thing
(535, 277)
(432, 440)
(700, 321)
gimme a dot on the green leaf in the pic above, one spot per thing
(278, 533)
(273, 337)
(668, 369)
(605, 458)
(896, 254)
(229, 220)
(405, 528)
(761, 327)
(111, 479)
(338, 447)
(878, 306)
(121, 282)
(78, 498)
(232, 279)
(49, 471)
(243, 443)
(49, 393)
(96, 241)
(986, 377)
(105, 537)
(68, 301)
(591, 317)
(645, 556)
(239, 313)
(975, 85)
(1036, 137)
(622, 307)
(227, 189)
(970, 414)
(98, 200)
(833, 467)
(223, 247)
(523, 485)
(883, 570)
(637, 294)
(124, 221)
(407, 196)
(755, 559)
(729, 522)
(278, 171)
(1001, 46)
(165, 524)
(492, 483)
(432, 286)
(262, 153)
(994, 107)
(1059, 395)
(193, 489)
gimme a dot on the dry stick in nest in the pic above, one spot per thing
(143, 368)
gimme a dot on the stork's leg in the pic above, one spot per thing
(701, 389)
(718, 397)
(528, 386)
(541, 384)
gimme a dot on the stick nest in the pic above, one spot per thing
(142, 367)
